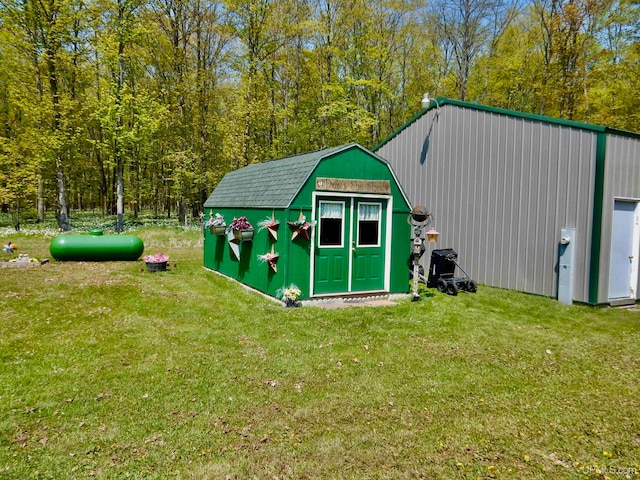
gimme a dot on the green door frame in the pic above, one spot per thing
(351, 200)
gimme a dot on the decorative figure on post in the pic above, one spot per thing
(419, 219)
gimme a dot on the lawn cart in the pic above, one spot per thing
(442, 270)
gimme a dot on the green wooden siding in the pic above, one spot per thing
(352, 164)
(294, 265)
(248, 270)
(400, 251)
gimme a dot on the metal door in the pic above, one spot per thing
(622, 250)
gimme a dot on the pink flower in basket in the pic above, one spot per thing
(240, 223)
(156, 258)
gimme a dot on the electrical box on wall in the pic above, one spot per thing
(566, 268)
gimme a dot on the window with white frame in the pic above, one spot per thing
(331, 224)
(369, 224)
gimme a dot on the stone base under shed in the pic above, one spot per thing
(344, 302)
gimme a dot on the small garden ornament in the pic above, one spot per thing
(301, 227)
(271, 224)
(271, 258)
(10, 248)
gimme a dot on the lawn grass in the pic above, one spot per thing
(108, 372)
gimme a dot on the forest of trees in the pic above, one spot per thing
(132, 105)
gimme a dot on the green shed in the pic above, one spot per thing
(332, 222)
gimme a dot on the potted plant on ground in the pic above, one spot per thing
(156, 262)
(242, 229)
(289, 295)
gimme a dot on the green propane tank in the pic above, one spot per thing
(96, 247)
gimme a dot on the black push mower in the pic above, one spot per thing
(442, 270)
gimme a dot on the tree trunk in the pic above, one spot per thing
(40, 199)
(182, 211)
(63, 212)
(118, 150)
(63, 209)
(120, 196)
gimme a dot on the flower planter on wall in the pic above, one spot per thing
(216, 224)
(218, 230)
(243, 235)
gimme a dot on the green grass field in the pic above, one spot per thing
(109, 372)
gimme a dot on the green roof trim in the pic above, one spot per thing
(274, 183)
(442, 101)
(596, 227)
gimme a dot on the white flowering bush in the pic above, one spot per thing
(86, 221)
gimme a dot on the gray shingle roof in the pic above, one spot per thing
(272, 184)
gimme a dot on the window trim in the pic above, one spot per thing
(342, 230)
(377, 244)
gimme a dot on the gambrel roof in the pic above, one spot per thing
(271, 184)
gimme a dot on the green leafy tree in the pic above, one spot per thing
(42, 33)
(18, 180)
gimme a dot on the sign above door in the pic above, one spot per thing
(382, 187)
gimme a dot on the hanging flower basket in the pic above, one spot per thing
(242, 229)
(218, 229)
(217, 225)
(243, 235)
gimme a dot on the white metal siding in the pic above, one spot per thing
(501, 188)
